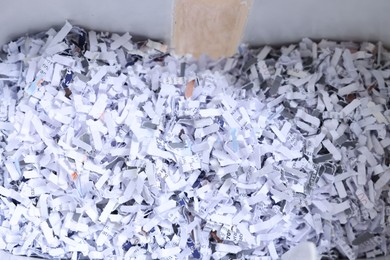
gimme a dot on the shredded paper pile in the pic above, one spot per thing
(115, 149)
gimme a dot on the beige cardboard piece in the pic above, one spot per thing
(214, 27)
